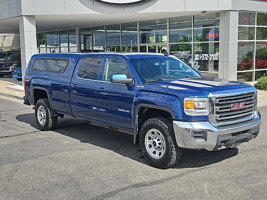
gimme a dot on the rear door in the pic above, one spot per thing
(84, 87)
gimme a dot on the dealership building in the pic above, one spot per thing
(221, 38)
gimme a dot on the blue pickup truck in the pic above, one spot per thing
(165, 104)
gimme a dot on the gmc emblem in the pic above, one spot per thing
(237, 106)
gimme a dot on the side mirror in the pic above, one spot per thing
(121, 78)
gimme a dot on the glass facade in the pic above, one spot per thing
(252, 46)
(194, 39)
(57, 41)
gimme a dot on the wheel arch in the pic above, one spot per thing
(40, 93)
(147, 111)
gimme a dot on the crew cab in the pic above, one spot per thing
(165, 104)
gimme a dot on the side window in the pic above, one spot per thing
(89, 67)
(114, 66)
(50, 64)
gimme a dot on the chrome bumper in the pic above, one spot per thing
(203, 135)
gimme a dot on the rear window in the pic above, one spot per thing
(50, 65)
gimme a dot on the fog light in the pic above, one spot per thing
(200, 135)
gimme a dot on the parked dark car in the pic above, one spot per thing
(7, 59)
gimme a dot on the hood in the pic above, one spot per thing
(200, 87)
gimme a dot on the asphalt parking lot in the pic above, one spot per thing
(81, 161)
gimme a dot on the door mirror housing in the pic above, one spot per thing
(121, 78)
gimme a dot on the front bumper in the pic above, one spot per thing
(203, 135)
(5, 72)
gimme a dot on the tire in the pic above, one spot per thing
(158, 144)
(43, 116)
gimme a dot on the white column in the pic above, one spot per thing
(28, 43)
(228, 45)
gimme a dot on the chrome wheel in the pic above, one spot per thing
(41, 115)
(155, 143)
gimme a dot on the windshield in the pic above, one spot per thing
(161, 68)
(13, 57)
(2, 56)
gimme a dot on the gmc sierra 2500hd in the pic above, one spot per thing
(164, 103)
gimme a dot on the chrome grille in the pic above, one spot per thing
(232, 109)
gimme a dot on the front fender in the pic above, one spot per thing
(167, 103)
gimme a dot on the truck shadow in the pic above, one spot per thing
(122, 143)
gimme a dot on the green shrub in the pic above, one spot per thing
(262, 83)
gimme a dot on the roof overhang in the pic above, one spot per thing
(58, 22)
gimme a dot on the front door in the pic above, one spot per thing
(116, 100)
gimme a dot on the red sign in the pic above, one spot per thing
(212, 35)
(245, 19)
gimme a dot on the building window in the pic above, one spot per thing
(99, 39)
(180, 35)
(41, 42)
(72, 41)
(206, 34)
(245, 56)
(153, 31)
(206, 43)
(64, 41)
(52, 42)
(206, 20)
(195, 40)
(261, 19)
(206, 57)
(246, 33)
(129, 37)
(261, 59)
(178, 23)
(86, 39)
(184, 52)
(181, 38)
(113, 33)
(252, 46)
(247, 18)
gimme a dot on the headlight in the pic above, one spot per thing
(196, 106)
